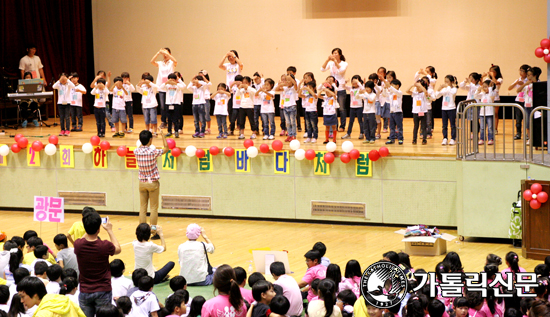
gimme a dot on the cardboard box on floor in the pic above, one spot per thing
(422, 245)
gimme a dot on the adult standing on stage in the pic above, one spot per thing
(336, 63)
(31, 63)
(166, 67)
(149, 176)
(233, 68)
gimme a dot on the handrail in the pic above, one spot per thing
(531, 125)
(459, 127)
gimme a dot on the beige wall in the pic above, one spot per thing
(457, 37)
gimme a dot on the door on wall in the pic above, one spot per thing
(536, 235)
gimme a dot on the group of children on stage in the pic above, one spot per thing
(376, 102)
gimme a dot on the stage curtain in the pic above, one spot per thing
(61, 31)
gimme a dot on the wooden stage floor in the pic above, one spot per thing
(432, 149)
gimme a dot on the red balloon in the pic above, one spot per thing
(176, 152)
(547, 58)
(264, 148)
(95, 140)
(545, 43)
(53, 139)
(542, 197)
(229, 151)
(105, 145)
(200, 153)
(171, 143)
(310, 154)
(214, 150)
(15, 148)
(37, 146)
(248, 143)
(329, 157)
(536, 188)
(539, 52)
(121, 150)
(23, 142)
(18, 136)
(384, 151)
(277, 145)
(374, 155)
(535, 204)
(527, 195)
(345, 158)
(354, 154)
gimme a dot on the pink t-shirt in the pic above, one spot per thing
(292, 292)
(220, 306)
(318, 271)
(247, 295)
(503, 272)
(485, 311)
(351, 284)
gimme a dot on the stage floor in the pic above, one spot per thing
(432, 149)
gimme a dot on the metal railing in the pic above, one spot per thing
(543, 135)
(468, 137)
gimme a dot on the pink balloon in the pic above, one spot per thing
(176, 152)
(545, 43)
(542, 197)
(539, 52)
(535, 204)
(536, 188)
(171, 143)
(527, 195)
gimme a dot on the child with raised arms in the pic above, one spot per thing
(179, 125)
(520, 98)
(197, 86)
(234, 104)
(129, 103)
(486, 113)
(448, 107)
(221, 98)
(173, 88)
(119, 106)
(356, 106)
(206, 78)
(76, 103)
(289, 88)
(246, 94)
(308, 93)
(527, 89)
(233, 68)
(257, 83)
(267, 108)
(148, 89)
(107, 77)
(330, 118)
(419, 92)
(369, 111)
(495, 76)
(395, 98)
(101, 94)
(64, 87)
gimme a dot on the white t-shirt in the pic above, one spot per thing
(4, 259)
(379, 93)
(172, 92)
(192, 260)
(247, 97)
(448, 94)
(419, 102)
(232, 71)
(258, 99)
(267, 102)
(395, 97)
(165, 69)
(36, 261)
(309, 103)
(31, 64)
(369, 103)
(76, 97)
(120, 286)
(288, 97)
(291, 291)
(63, 92)
(520, 96)
(237, 98)
(148, 99)
(470, 87)
(354, 102)
(180, 92)
(198, 93)
(130, 89)
(118, 99)
(528, 95)
(53, 287)
(220, 107)
(486, 98)
(143, 303)
(101, 96)
(329, 106)
(143, 255)
(338, 73)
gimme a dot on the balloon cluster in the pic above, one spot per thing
(544, 50)
(535, 196)
(21, 142)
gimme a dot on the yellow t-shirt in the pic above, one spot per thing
(77, 230)
(29, 258)
(2, 281)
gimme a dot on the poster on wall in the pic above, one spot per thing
(281, 162)
(320, 166)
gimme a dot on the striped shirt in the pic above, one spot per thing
(147, 163)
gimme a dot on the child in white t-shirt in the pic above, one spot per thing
(486, 113)
(197, 86)
(356, 106)
(266, 94)
(258, 83)
(119, 106)
(144, 301)
(221, 98)
(173, 88)
(246, 94)
(288, 88)
(330, 119)
(129, 103)
(107, 77)
(308, 93)
(520, 98)
(419, 91)
(203, 74)
(179, 125)
(54, 275)
(233, 70)
(101, 94)
(448, 107)
(76, 103)
(369, 111)
(527, 90)
(148, 89)
(395, 98)
(63, 87)
(119, 283)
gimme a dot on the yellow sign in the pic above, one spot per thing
(100, 157)
(66, 156)
(363, 165)
(3, 159)
(169, 162)
(242, 161)
(320, 166)
(205, 163)
(281, 162)
(130, 161)
(33, 157)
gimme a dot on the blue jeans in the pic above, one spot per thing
(257, 116)
(369, 126)
(355, 112)
(207, 110)
(150, 115)
(130, 113)
(89, 302)
(108, 114)
(312, 119)
(290, 118)
(76, 113)
(449, 115)
(341, 95)
(100, 120)
(396, 122)
(207, 281)
(162, 273)
(162, 106)
(199, 116)
(268, 121)
(234, 114)
(222, 123)
(486, 120)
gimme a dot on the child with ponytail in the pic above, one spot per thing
(15, 262)
(448, 107)
(229, 297)
(512, 261)
(325, 306)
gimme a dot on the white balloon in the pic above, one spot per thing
(87, 148)
(294, 145)
(190, 150)
(153, 147)
(347, 146)
(252, 151)
(50, 149)
(331, 146)
(546, 51)
(300, 154)
(4, 150)
(138, 143)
